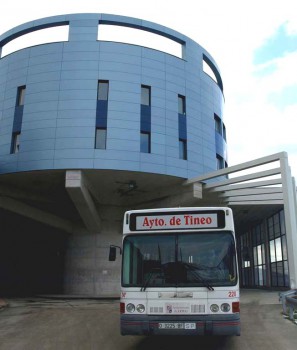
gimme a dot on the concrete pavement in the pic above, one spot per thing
(75, 324)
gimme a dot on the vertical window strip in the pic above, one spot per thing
(220, 162)
(15, 142)
(21, 95)
(218, 124)
(145, 95)
(101, 114)
(103, 87)
(100, 138)
(224, 133)
(17, 120)
(182, 149)
(181, 105)
(182, 126)
(145, 142)
(145, 119)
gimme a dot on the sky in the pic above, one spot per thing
(253, 42)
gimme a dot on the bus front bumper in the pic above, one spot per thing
(180, 325)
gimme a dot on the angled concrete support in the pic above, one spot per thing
(185, 196)
(35, 214)
(81, 197)
(259, 188)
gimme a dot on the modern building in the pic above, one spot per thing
(90, 128)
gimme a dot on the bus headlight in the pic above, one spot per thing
(130, 307)
(225, 307)
(214, 308)
(140, 308)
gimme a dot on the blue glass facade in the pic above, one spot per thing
(61, 110)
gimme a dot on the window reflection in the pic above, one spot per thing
(194, 259)
(278, 249)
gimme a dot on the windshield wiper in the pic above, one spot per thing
(151, 271)
(146, 282)
(192, 269)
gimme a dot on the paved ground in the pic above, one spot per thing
(38, 324)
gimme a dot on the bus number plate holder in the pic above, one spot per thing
(177, 325)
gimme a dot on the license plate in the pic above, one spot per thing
(176, 325)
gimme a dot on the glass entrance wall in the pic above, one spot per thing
(263, 254)
(258, 237)
(278, 250)
(245, 253)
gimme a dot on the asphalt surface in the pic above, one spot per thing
(74, 324)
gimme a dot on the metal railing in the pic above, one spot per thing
(289, 302)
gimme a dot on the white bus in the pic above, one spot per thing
(179, 272)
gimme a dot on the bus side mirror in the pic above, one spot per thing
(113, 252)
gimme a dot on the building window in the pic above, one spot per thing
(181, 104)
(145, 142)
(145, 95)
(100, 138)
(15, 143)
(101, 114)
(278, 250)
(21, 95)
(210, 69)
(182, 149)
(145, 119)
(220, 162)
(245, 252)
(224, 133)
(218, 124)
(102, 90)
(259, 260)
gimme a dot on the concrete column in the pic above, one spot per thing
(289, 192)
(39, 215)
(80, 195)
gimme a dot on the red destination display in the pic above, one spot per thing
(176, 221)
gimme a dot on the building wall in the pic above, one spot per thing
(87, 268)
(59, 113)
(56, 124)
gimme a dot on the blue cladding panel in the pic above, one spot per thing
(33, 155)
(61, 109)
(73, 163)
(39, 164)
(74, 142)
(38, 144)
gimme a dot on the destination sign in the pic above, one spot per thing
(176, 221)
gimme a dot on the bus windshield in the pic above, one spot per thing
(179, 260)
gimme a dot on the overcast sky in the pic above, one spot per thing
(253, 42)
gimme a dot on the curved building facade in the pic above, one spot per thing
(56, 120)
(124, 124)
